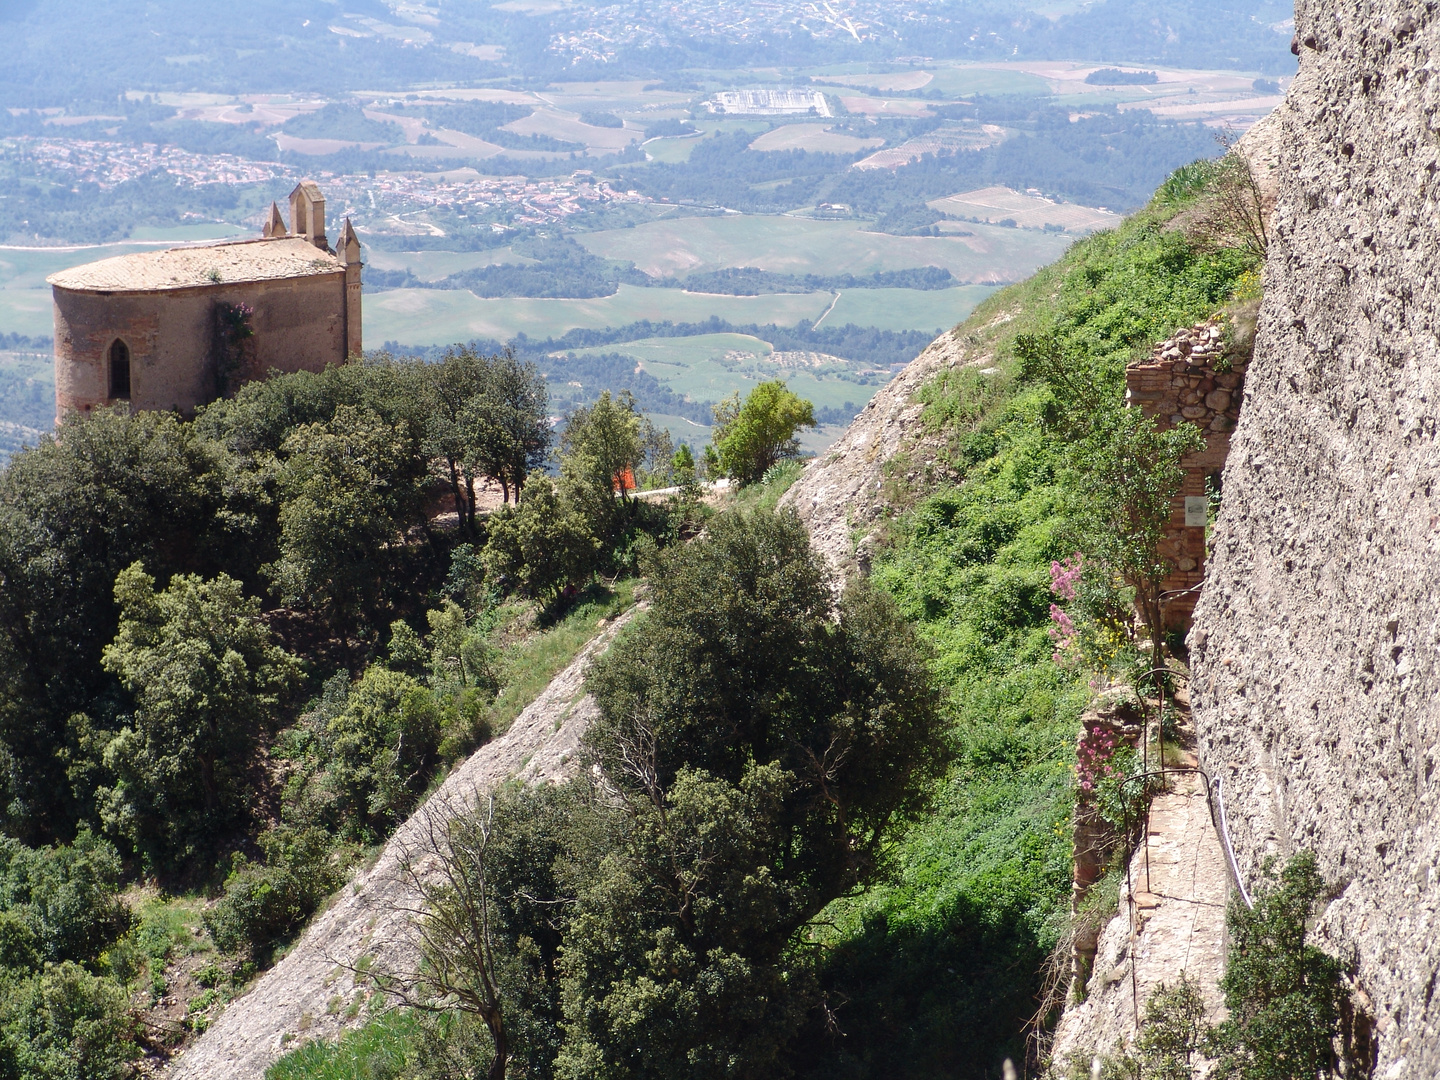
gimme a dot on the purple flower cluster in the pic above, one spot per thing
(235, 321)
(1093, 757)
(1063, 577)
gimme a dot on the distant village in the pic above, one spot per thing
(382, 200)
(618, 26)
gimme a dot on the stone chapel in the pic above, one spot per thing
(177, 329)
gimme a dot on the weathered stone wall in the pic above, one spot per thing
(1193, 378)
(1316, 643)
(300, 324)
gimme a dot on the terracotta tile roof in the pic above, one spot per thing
(186, 268)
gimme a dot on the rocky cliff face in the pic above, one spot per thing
(840, 497)
(1316, 646)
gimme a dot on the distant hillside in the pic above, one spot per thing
(59, 53)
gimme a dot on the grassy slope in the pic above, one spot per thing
(940, 968)
(531, 663)
(377, 1050)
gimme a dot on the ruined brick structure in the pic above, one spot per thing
(177, 329)
(1191, 379)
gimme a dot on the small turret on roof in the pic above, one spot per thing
(274, 224)
(307, 213)
(347, 249)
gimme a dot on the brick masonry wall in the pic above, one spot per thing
(1189, 379)
(299, 324)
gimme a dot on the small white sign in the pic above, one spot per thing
(1197, 511)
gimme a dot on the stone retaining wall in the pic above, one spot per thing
(1193, 378)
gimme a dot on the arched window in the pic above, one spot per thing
(120, 370)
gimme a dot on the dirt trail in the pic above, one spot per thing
(307, 994)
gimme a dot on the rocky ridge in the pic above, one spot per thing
(840, 497)
(313, 992)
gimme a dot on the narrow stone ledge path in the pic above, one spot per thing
(308, 994)
(1171, 920)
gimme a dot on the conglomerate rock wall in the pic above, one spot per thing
(1316, 645)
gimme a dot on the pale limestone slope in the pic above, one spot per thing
(305, 995)
(840, 495)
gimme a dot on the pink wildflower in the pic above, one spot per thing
(1093, 757)
(1063, 576)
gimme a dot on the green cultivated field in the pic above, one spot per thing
(26, 311)
(25, 298)
(434, 265)
(436, 317)
(815, 441)
(682, 351)
(963, 81)
(674, 150)
(677, 246)
(189, 234)
(712, 381)
(682, 429)
(710, 367)
(953, 80)
(907, 309)
(817, 138)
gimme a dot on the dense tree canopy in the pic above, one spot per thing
(74, 512)
(308, 492)
(762, 744)
(206, 679)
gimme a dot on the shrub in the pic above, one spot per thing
(64, 896)
(460, 652)
(207, 677)
(19, 944)
(751, 436)
(363, 757)
(265, 903)
(544, 544)
(65, 1024)
(1285, 997)
(1170, 1040)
